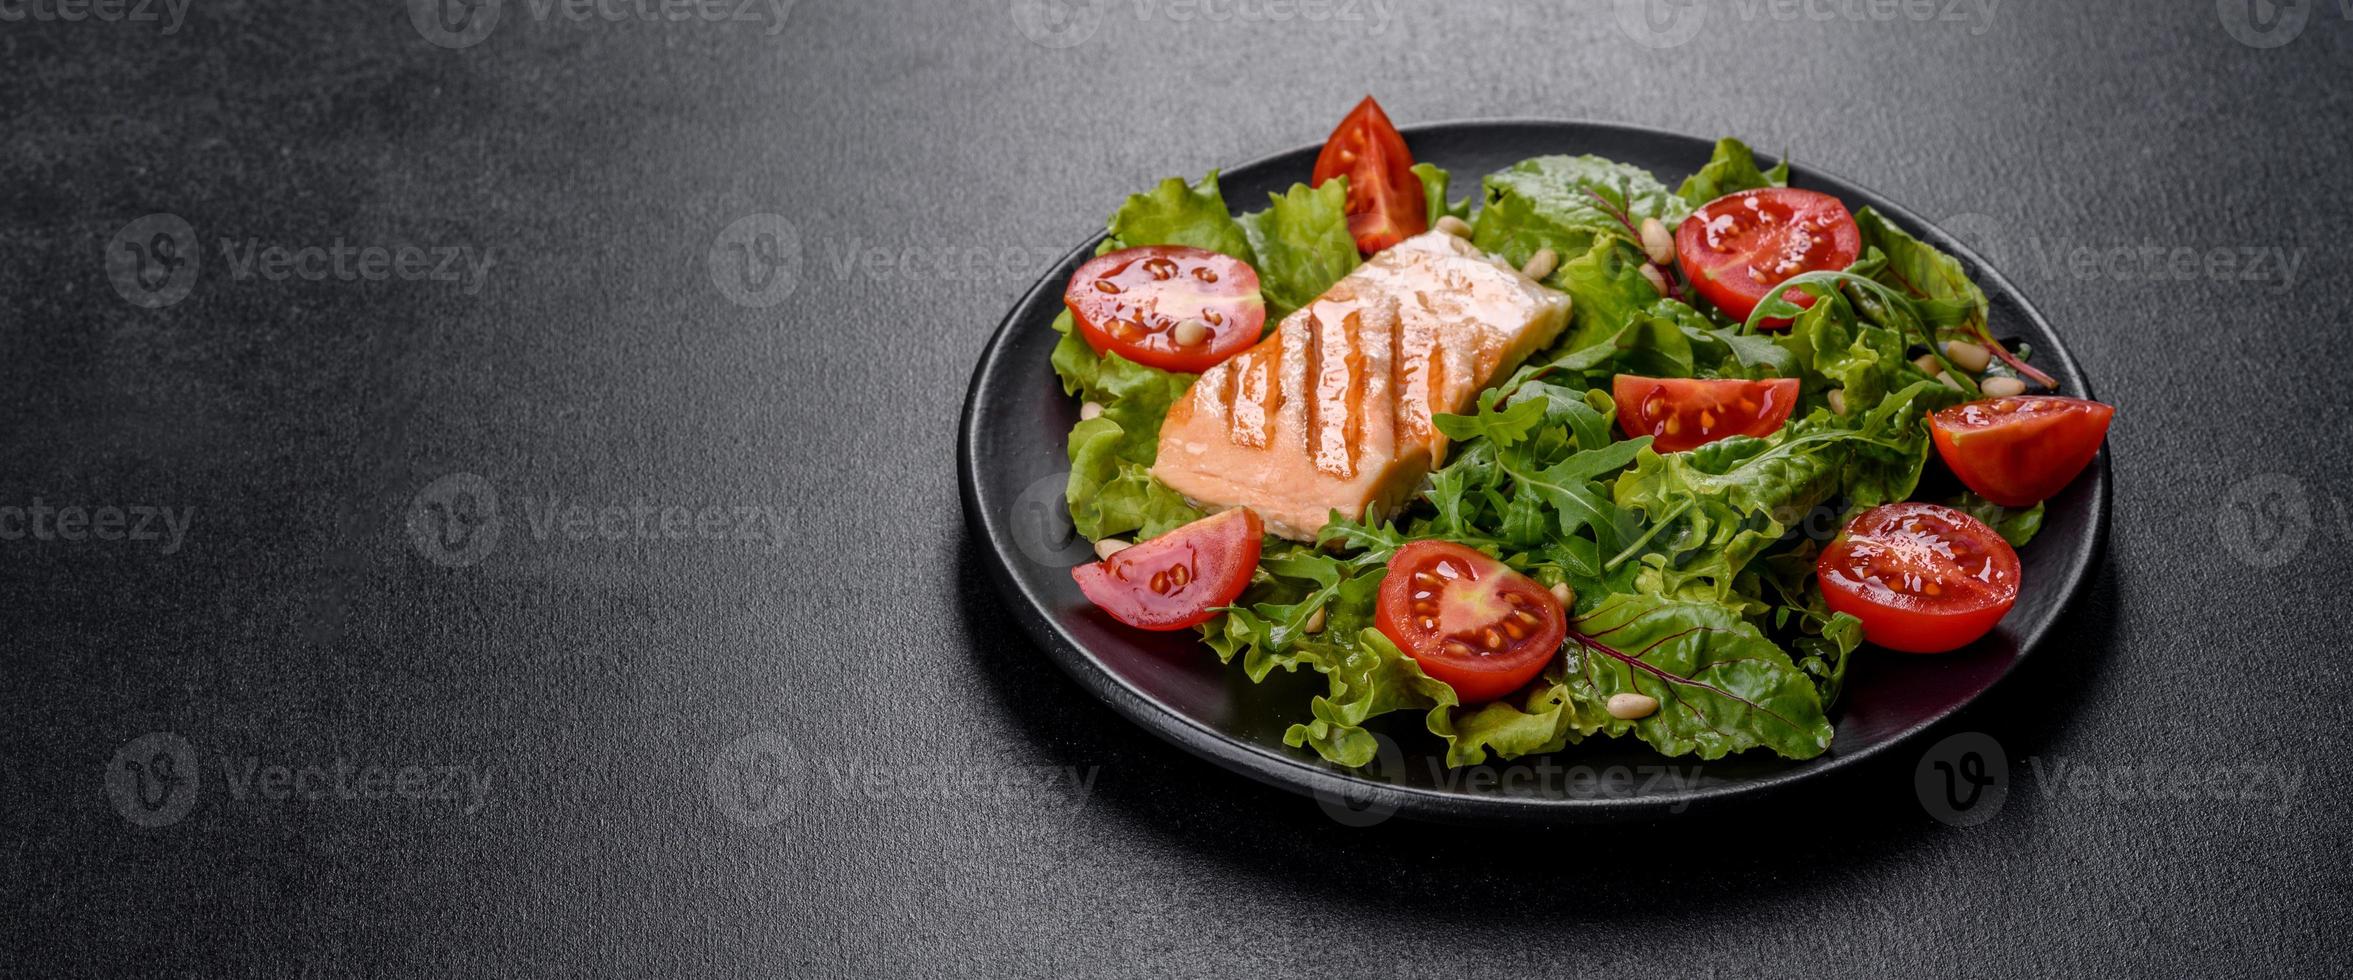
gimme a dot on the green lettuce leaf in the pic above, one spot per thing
(1177, 213)
(1111, 490)
(1434, 180)
(1936, 283)
(1732, 168)
(1588, 211)
(1302, 244)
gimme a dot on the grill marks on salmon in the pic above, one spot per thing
(1333, 410)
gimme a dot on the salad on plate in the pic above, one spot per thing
(1587, 456)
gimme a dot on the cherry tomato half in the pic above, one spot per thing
(1737, 247)
(1685, 413)
(1923, 578)
(1467, 619)
(1179, 579)
(2022, 450)
(1385, 200)
(1133, 302)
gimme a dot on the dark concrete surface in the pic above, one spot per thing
(326, 728)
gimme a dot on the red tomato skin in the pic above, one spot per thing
(2022, 450)
(1386, 203)
(1911, 623)
(1775, 398)
(1476, 678)
(1721, 271)
(1219, 552)
(1131, 322)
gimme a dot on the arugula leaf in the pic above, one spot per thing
(1302, 244)
(1177, 213)
(1732, 168)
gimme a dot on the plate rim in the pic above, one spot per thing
(1330, 786)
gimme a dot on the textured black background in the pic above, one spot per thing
(599, 683)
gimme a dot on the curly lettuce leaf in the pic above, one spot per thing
(1732, 168)
(1178, 213)
(1302, 244)
(1111, 490)
(1434, 180)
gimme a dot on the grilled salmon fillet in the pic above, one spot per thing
(1332, 410)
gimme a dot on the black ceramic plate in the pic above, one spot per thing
(1011, 455)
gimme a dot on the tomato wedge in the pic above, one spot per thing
(1737, 247)
(1172, 307)
(2022, 450)
(1686, 413)
(1923, 578)
(1179, 579)
(1467, 619)
(1386, 204)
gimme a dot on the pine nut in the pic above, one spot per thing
(1315, 620)
(1928, 364)
(1541, 264)
(1837, 398)
(1090, 410)
(1656, 276)
(1949, 382)
(1967, 356)
(1566, 595)
(1190, 332)
(1108, 547)
(1454, 226)
(1656, 241)
(2002, 387)
(1627, 707)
